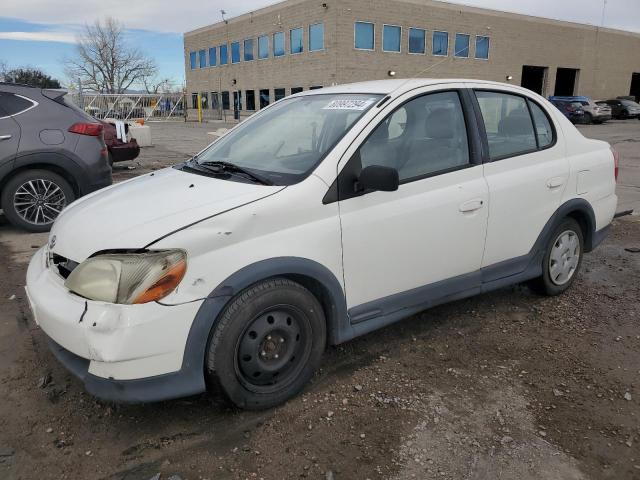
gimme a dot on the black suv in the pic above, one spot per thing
(51, 153)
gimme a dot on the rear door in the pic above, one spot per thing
(9, 133)
(527, 172)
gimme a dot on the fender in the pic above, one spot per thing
(62, 163)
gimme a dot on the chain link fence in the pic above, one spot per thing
(153, 106)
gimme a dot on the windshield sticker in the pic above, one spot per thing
(349, 104)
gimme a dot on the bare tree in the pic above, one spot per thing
(157, 85)
(3, 70)
(105, 63)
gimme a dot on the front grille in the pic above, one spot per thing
(62, 264)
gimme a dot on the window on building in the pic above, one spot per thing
(422, 137)
(417, 40)
(235, 52)
(248, 50)
(440, 46)
(295, 40)
(296, 90)
(263, 47)
(202, 58)
(482, 47)
(364, 36)
(224, 54)
(204, 100)
(225, 101)
(264, 97)
(192, 60)
(215, 101)
(194, 100)
(461, 46)
(213, 57)
(250, 95)
(316, 37)
(315, 87)
(391, 35)
(278, 94)
(278, 44)
(507, 123)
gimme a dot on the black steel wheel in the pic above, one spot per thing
(266, 344)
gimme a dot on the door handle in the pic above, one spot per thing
(4, 137)
(471, 205)
(555, 182)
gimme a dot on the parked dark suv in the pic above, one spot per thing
(51, 153)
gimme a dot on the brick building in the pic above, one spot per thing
(262, 56)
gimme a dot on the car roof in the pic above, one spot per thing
(401, 85)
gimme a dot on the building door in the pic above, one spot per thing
(535, 79)
(566, 79)
(635, 86)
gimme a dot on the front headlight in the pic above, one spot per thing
(129, 277)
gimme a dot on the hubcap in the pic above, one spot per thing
(39, 201)
(564, 258)
(273, 348)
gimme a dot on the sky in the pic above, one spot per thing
(42, 33)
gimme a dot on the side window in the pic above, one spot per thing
(425, 135)
(544, 131)
(507, 123)
(13, 104)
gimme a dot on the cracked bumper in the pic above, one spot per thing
(102, 342)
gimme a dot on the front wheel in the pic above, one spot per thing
(33, 199)
(266, 345)
(562, 259)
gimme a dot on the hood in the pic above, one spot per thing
(135, 213)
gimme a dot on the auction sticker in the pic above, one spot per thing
(349, 104)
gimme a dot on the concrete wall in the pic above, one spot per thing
(606, 58)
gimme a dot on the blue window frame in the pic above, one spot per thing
(391, 35)
(202, 57)
(263, 47)
(213, 57)
(482, 47)
(316, 37)
(224, 54)
(417, 40)
(440, 46)
(295, 40)
(462, 45)
(278, 44)
(248, 50)
(364, 36)
(235, 52)
(192, 60)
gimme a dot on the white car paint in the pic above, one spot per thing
(376, 245)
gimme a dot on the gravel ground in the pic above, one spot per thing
(506, 385)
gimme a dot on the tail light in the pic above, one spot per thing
(90, 129)
(616, 162)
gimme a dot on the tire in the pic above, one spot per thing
(554, 280)
(588, 118)
(33, 186)
(266, 345)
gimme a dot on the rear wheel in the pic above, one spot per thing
(266, 345)
(562, 259)
(588, 118)
(33, 199)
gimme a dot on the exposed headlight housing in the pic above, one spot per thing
(129, 278)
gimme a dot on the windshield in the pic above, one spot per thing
(629, 103)
(285, 142)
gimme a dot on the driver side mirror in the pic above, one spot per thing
(377, 177)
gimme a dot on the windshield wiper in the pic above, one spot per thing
(219, 166)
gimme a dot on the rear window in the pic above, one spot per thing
(12, 104)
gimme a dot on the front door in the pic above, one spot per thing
(432, 229)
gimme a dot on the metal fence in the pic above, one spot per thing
(154, 106)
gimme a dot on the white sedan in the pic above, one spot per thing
(326, 215)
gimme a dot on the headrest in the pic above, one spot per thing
(516, 123)
(440, 123)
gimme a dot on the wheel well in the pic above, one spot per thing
(323, 296)
(586, 225)
(43, 166)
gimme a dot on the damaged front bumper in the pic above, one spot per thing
(126, 353)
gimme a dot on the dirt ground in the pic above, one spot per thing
(507, 385)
